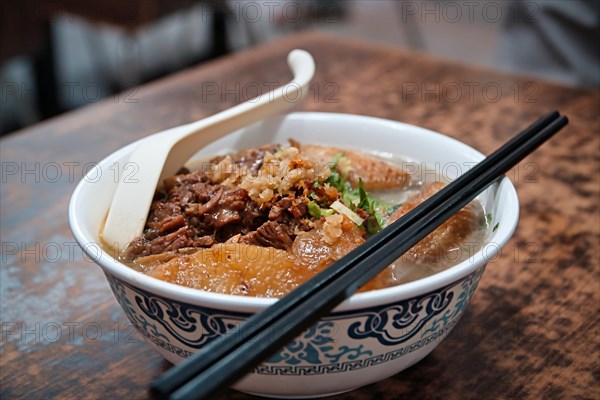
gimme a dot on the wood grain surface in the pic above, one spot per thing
(532, 330)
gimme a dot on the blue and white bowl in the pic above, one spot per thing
(367, 338)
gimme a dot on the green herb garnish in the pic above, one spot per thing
(336, 181)
(350, 196)
(496, 227)
(314, 209)
(488, 218)
(373, 223)
(365, 203)
(335, 160)
(356, 198)
(317, 211)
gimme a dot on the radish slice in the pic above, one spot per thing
(342, 209)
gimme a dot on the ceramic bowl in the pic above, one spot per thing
(367, 338)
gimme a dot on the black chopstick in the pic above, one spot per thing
(227, 359)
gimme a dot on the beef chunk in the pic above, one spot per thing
(164, 217)
(270, 234)
(142, 246)
(275, 213)
(296, 206)
(199, 209)
(251, 158)
(192, 211)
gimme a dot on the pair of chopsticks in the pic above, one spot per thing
(227, 359)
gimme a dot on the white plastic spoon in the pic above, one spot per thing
(162, 154)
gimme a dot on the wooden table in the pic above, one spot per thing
(532, 330)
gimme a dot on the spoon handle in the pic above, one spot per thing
(256, 109)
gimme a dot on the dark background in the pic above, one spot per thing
(58, 55)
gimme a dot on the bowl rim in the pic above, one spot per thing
(253, 304)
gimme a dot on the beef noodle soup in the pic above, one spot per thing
(262, 221)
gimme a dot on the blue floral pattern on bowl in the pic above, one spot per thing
(340, 342)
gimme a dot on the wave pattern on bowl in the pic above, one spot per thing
(341, 342)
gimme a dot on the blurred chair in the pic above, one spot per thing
(557, 40)
(26, 29)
